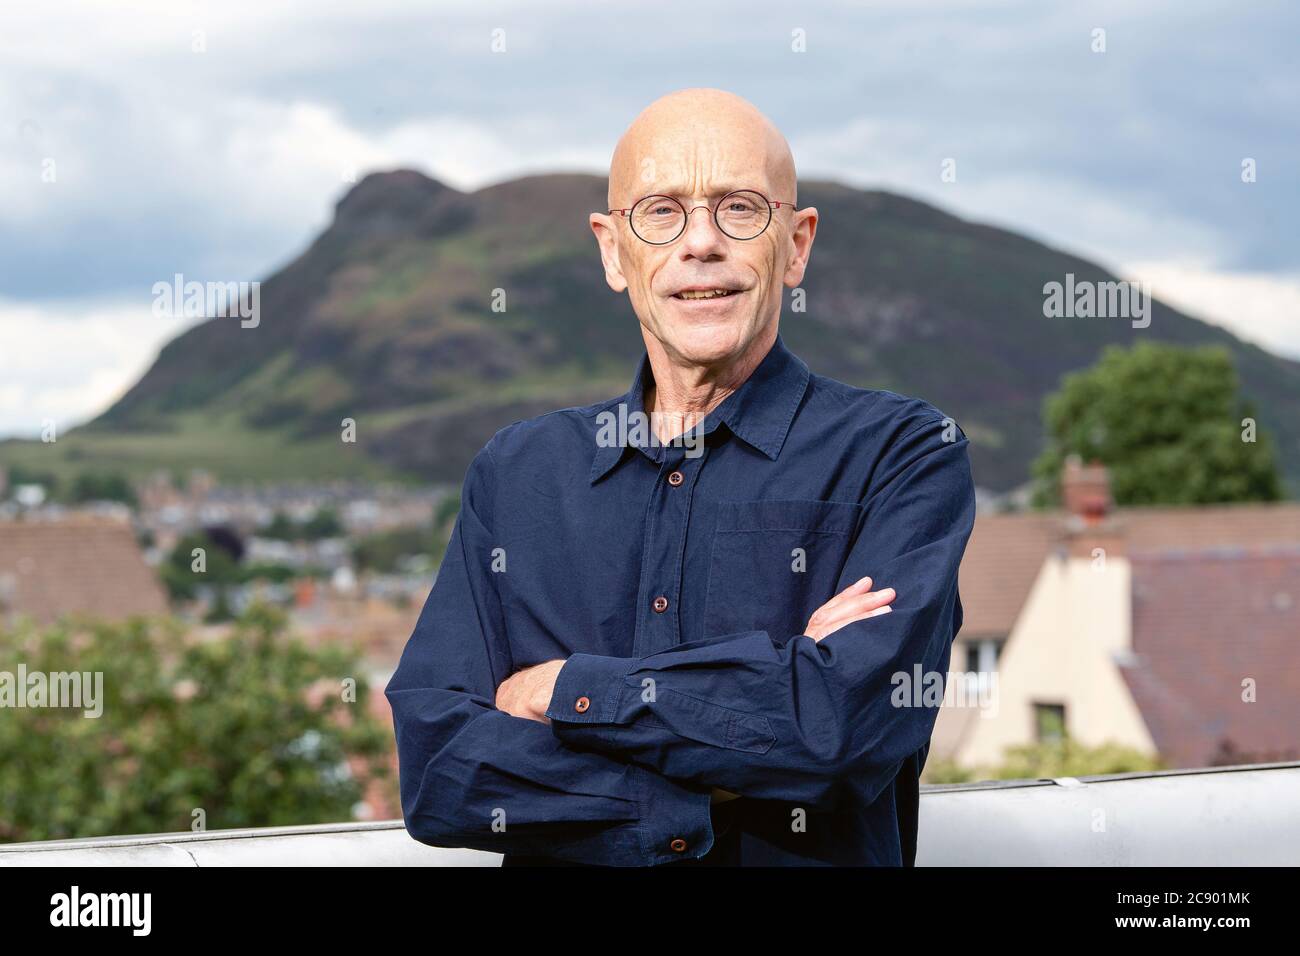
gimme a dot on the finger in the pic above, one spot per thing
(859, 605)
(860, 586)
(857, 608)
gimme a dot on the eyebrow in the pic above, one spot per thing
(717, 193)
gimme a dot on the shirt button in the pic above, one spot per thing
(582, 704)
(660, 604)
(675, 478)
(678, 845)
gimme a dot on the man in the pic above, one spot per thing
(663, 644)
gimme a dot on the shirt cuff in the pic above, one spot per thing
(676, 819)
(589, 689)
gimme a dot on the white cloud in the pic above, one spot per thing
(1258, 307)
(68, 361)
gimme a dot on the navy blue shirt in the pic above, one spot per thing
(676, 579)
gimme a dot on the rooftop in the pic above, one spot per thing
(79, 563)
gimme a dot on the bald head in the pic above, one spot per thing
(702, 136)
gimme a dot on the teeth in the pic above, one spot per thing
(704, 294)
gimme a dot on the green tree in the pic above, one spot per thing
(102, 486)
(383, 552)
(280, 527)
(177, 571)
(18, 475)
(324, 523)
(254, 729)
(1168, 424)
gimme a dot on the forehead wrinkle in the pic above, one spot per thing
(711, 183)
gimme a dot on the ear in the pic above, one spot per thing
(801, 235)
(606, 230)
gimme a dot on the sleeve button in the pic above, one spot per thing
(582, 704)
(678, 845)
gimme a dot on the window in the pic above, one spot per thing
(1049, 722)
(982, 656)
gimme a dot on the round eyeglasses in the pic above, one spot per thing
(743, 214)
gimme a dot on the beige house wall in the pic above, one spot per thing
(1063, 649)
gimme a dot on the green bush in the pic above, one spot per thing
(1063, 758)
(251, 728)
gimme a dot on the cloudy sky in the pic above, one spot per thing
(142, 139)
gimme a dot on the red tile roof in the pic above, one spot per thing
(1203, 622)
(74, 564)
(1001, 562)
(1006, 550)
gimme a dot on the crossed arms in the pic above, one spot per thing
(515, 764)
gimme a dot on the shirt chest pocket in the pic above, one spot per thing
(774, 562)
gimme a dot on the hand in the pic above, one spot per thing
(855, 603)
(527, 693)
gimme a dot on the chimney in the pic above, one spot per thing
(1091, 529)
(304, 592)
(1085, 490)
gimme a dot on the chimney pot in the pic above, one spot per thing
(1085, 489)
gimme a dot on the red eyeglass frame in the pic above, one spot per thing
(772, 204)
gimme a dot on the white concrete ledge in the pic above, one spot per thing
(1231, 816)
(331, 844)
(1223, 816)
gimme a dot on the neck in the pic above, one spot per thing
(683, 392)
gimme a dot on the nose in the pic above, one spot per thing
(702, 239)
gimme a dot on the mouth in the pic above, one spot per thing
(694, 295)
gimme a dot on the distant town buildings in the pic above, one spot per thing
(168, 513)
(317, 573)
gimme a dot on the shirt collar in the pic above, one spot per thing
(759, 412)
